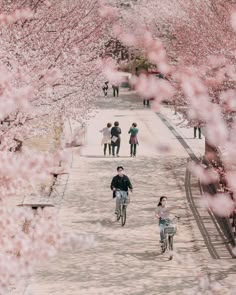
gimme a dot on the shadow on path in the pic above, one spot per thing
(126, 101)
(146, 255)
(104, 157)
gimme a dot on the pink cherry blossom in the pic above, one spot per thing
(205, 175)
(233, 20)
(19, 14)
(221, 204)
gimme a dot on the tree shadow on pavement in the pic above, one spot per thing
(106, 222)
(146, 255)
(126, 101)
(104, 157)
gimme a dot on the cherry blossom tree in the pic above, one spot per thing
(53, 52)
(49, 73)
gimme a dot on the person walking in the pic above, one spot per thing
(133, 141)
(106, 140)
(196, 127)
(146, 102)
(105, 88)
(115, 139)
(115, 90)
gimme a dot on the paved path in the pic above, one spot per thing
(115, 260)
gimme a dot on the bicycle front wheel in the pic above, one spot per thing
(164, 246)
(118, 216)
(123, 216)
(119, 213)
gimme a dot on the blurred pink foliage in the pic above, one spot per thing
(18, 14)
(221, 204)
(205, 176)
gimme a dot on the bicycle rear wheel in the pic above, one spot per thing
(170, 242)
(123, 216)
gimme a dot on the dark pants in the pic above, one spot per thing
(115, 91)
(133, 148)
(105, 91)
(117, 149)
(146, 102)
(105, 148)
(195, 132)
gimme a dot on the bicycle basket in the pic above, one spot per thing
(171, 229)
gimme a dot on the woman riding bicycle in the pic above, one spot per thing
(163, 215)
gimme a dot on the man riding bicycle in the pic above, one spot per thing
(120, 185)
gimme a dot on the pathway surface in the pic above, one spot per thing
(115, 260)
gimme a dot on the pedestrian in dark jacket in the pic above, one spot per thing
(120, 186)
(115, 139)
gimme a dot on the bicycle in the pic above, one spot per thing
(170, 231)
(121, 214)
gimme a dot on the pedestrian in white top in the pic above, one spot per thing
(106, 140)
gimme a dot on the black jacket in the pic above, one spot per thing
(116, 131)
(123, 183)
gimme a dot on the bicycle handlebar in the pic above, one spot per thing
(172, 220)
(120, 190)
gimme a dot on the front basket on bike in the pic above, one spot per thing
(171, 229)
